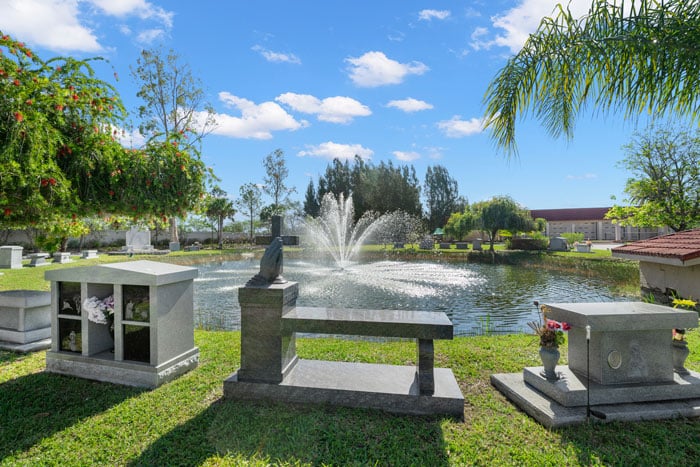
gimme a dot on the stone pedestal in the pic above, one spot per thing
(11, 257)
(25, 320)
(631, 375)
(268, 352)
(630, 341)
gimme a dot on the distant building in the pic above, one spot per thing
(668, 265)
(592, 224)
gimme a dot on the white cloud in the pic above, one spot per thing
(63, 25)
(52, 24)
(278, 57)
(434, 152)
(257, 121)
(409, 105)
(140, 8)
(336, 109)
(521, 21)
(406, 156)
(375, 69)
(427, 15)
(150, 35)
(586, 176)
(330, 150)
(457, 128)
(129, 139)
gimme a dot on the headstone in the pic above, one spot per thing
(462, 245)
(583, 248)
(62, 257)
(476, 244)
(174, 246)
(88, 254)
(138, 239)
(11, 257)
(558, 244)
(426, 243)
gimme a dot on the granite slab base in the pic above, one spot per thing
(563, 402)
(26, 347)
(361, 385)
(103, 367)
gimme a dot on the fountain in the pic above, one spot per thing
(335, 232)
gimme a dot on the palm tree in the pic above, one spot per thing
(634, 56)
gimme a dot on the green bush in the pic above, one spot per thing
(573, 237)
(518, 243)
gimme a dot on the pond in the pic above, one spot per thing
(478, 298)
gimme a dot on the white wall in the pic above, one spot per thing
(684, 280)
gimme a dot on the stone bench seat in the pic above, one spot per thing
(38, 259)
(376, 323)
(271, 370)
(424, 326)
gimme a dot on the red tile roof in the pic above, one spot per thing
(681, 246)
(572, 214)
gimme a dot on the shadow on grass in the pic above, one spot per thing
(660, 442)
(38, 405)
(274, 433)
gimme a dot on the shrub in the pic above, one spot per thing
(517, 243)
(572, 237)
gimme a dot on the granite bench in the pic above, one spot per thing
(271, 370)
(37, 259)
(424, 326)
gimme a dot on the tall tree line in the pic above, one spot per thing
(381, 188)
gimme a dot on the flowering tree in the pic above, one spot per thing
(55, 121)
(59, 155)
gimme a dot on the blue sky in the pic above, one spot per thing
(395, 80)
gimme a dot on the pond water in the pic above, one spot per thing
(478, 298)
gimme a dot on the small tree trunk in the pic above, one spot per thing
(221, 233)
(173, 229)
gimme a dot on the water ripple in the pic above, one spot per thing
(477, 298)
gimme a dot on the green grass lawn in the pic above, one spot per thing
(58, 420)
(47, 419)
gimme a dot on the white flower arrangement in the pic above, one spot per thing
(99, 310)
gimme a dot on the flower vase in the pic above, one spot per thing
(550, 358)
(680, 353)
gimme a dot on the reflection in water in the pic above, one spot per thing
(477, 298)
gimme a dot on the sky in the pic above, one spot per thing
(391, 80)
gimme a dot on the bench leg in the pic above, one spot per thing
(426, 362)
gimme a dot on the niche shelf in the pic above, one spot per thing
(148, 340)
